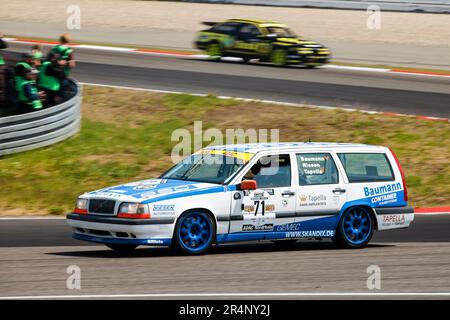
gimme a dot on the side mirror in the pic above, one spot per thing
(247, 185)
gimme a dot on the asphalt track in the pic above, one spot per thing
(397, 93)
(414, 262)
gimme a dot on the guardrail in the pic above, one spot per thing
(428, 6)
(41, 128)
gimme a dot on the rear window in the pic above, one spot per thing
(366, 167)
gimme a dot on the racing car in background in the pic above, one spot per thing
(267, 41)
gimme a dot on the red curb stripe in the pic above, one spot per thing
(432, 210)
(432, 118)
(431, 73)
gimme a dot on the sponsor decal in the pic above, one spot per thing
(163, 210)
(259, 195)
(388, 188)
(393, 220)
(384, 199)
(151, 241)
(251, 227)
(285, 202)
(288, 227)
(310, 234)
(269, 191)
(313, 200)
(313, 165)
(163, 207)
(249, 209)
(258, 207)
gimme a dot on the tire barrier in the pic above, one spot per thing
(41, 128)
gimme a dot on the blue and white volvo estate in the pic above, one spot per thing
(275, 191)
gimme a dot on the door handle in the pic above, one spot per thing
(288, 193)
(339, 190)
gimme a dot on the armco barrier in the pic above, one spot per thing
(428, 6)
(41, 128)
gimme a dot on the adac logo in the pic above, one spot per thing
(302, 198)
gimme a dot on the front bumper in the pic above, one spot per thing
(103, 229)
(394, 217)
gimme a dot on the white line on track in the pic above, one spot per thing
(200, 295)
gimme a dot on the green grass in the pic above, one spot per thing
(126, 135)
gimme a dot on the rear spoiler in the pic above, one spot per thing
(209, 23)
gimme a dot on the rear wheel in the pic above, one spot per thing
(194, 232)
(279, 57)
(122, 248)
(214, 50)
(355, 228)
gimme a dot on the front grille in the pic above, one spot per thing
(101, 206)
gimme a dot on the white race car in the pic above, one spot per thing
(276, 191)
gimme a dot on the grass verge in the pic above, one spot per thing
(126, 135)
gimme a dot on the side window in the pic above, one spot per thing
(316, 168)
(248, 31)
(230, 28)
(366, 167)
(271, 172)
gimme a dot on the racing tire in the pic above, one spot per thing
(355, 228)
(195, 232)
(278, 57)
(214, 50)
(122, 248)
(246, 59)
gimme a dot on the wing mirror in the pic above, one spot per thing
(247, 185)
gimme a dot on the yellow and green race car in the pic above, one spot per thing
(267, 41)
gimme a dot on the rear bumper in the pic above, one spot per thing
(394, 217)
(102, 229)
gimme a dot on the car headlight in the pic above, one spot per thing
(81, 206)
(133, 211)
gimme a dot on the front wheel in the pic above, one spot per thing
(122, 248)
(194, 232)
(355, 228)
(214, 50)
(279, 57)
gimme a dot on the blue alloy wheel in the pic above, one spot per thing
(356, 228)
(195, 232)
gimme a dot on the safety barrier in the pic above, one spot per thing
(41, 128)
(428, 6)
